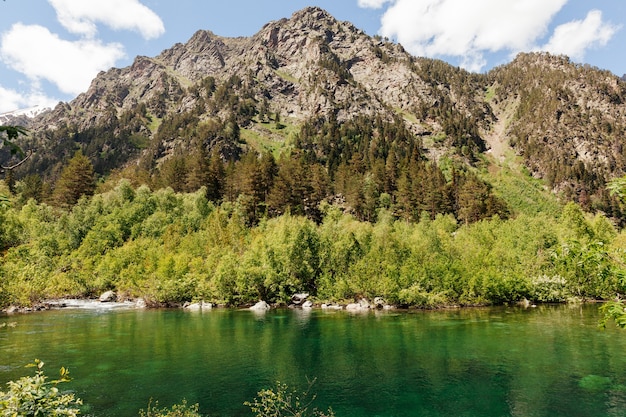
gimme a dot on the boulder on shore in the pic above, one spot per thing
(362, 305)
(299, 298)
(108, 297)
(198, 306)
(260, 306)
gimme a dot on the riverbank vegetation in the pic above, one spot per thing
(170, 248)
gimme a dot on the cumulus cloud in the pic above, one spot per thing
(575, 38)
(81, 16)
(470, 30)
(39, 54)
(372, 4)
(11, 100)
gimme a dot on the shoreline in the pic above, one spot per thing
(362, 305)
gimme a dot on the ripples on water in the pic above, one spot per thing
(548, 361)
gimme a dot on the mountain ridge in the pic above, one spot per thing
(563, 120)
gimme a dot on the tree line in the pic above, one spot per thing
(170, 248)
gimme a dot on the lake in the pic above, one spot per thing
(544, 361)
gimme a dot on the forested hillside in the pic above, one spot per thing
(312, 157)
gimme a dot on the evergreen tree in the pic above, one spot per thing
(77, 179)
(198, 171)
(216, 177)
(173, 173)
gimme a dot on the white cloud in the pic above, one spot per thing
(11, 100)
(81, 16)
(39, 54)
(372, 4)
(468, 29)
(574, 38)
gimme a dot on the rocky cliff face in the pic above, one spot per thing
(305, 66)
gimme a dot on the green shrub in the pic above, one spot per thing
(35, 396)
(177, 410)
(283, 401)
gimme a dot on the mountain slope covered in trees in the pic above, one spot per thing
(312, 118)
(324, 91)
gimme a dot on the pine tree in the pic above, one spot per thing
(77, 179)
(197, 168)
(216, 177)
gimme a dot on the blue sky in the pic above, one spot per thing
(50, 50)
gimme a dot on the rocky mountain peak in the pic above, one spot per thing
(312, 18)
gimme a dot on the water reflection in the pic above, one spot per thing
(548, 361)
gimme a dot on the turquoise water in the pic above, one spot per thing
(545, 361)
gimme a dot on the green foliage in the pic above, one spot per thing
(77, 179)
(171, 248)
(9, 134)
(37, 397)
(283, 402)
(177, 410)
(614, 311)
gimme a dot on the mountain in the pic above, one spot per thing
(567, 121)
(21, 116)
(319, 87)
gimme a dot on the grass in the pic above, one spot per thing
(287, 77)
(490, 93)
(269, 137)
(523, 193)
(409, 117)
(155, 122)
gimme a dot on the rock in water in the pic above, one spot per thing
(260, 306)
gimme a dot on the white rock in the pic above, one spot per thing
(108, 297)
(299, 298)
(260, 306)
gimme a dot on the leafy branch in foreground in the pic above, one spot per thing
(35, 396)
(9, 134)
(283, 402)
(614, 310)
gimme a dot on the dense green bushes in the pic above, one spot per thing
(171, 248)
